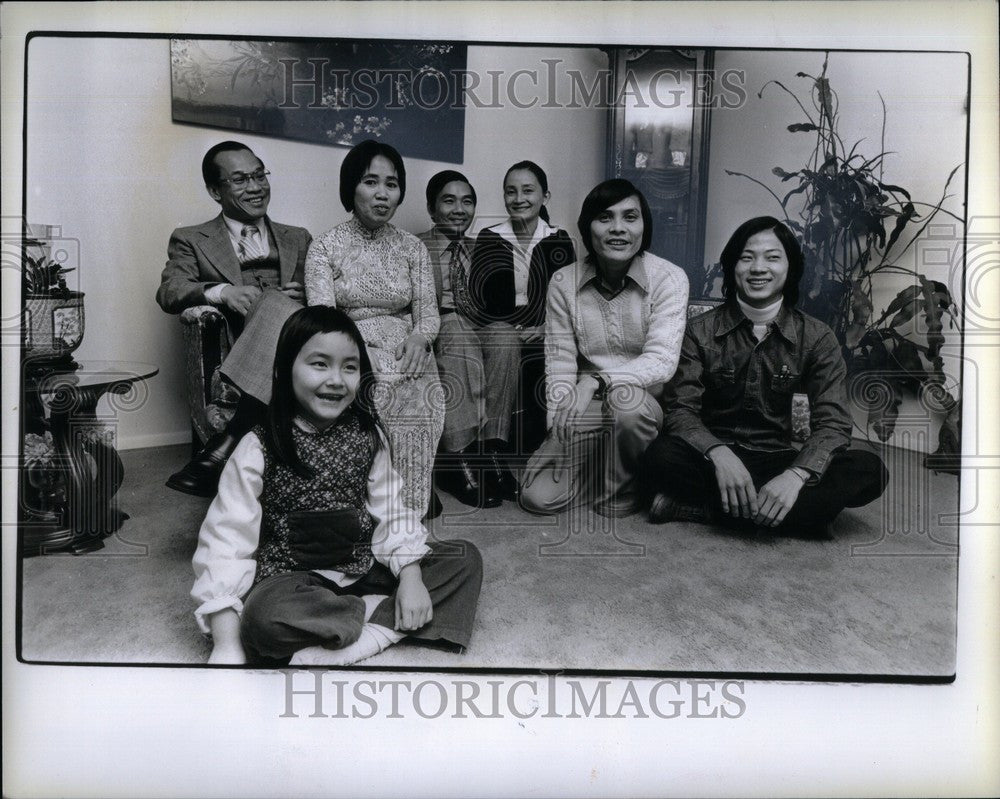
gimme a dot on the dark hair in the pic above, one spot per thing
(737, 243)
(539, 174)
(281, 411)
(356, 164)
(602, 197)
(210, 169)
(442, 179)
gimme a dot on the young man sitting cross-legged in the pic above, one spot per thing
(725, 449)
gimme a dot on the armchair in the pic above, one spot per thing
(211, 400)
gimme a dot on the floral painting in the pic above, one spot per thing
(336, 92)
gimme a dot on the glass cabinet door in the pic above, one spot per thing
(658, 140)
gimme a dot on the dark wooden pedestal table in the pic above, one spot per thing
(81, 508)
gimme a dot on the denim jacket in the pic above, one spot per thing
(731, 389)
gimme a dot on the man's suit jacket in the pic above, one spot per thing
(202, 255)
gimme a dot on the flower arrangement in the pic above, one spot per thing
(41, 276)
(52, 313)
(39, 451)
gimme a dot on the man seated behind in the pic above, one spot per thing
(229, 262)
(478, 364)
(726, 441)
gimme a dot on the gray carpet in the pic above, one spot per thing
(569, 592)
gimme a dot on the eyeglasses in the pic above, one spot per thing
(240, 179)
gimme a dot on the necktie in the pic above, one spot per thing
(458, 278)
(251, 248)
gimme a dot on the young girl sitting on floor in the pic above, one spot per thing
(307, 555)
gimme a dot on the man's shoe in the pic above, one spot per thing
(665, 508)
(493, 495)
(200, 477)
(499, 477)
(461, 481)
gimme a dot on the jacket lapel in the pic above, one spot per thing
(287, 252)
(218, 249)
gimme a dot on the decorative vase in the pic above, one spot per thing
(52, 327)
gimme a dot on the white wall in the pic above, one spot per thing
(107, 165)
(926, 117)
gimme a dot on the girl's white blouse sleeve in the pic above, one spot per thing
(224, 563)
(399, 538)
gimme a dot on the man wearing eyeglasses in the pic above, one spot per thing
(229, 262)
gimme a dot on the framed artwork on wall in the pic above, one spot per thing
(326, 91)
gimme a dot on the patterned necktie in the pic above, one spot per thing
(251, 248)
(458, 278)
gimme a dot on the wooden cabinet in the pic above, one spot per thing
(658, 139)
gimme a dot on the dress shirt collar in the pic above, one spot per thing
(236, 228)
(440, 243)
(636, 273)
(506, 231)
(730, 317)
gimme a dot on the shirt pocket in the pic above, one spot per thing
(786, 383)
(722, 382)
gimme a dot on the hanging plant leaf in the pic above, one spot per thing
(904, 315)
(908, 213)
(906, 355)
(934, 304)
(896, 190)
(854, 334)
(781, 173)
(861, 304)
(826, 94)
(797, 190)
(905, 297)
(879, 230)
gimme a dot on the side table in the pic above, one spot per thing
(73, 506)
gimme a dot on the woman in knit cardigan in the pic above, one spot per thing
(613, 332)
(510, 270)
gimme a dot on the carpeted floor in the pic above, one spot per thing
(572, 593)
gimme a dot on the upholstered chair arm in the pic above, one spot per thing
(206, 345)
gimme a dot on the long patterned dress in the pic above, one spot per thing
(386, 286)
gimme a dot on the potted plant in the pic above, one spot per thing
(53, 319)
(854, 227)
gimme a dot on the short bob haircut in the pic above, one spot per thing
(356, 165)
(737, 243)
(283, 408)
(210, 169)
(601, 198)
